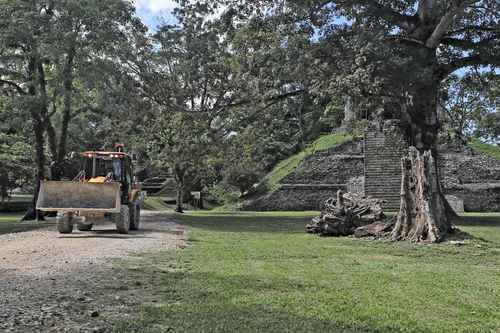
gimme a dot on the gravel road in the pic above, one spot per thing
(67, 283)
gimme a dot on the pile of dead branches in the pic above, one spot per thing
(349, 214)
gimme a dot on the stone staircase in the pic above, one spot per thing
(383, 151)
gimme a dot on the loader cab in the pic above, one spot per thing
(109, 167)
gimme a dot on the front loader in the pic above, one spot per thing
(103, 190)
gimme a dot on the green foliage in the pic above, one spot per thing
(260, 272)
(486, 148)
(57, 59)
(241, 177)
(15, 163)
(390, 55)
(224, 195)
(469, 105)
(287, 166)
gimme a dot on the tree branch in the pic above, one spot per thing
(405, 22)
(457, 8)
(472, 60)
(466, 44)
(425, 9)
(14, 85)
(472, 28)
(269, 99)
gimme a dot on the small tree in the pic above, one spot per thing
(179, 142)
(242, 177)
(15, 162)
(469, 105)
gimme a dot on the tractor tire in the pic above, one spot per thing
(64, 223)
(84, 227)
(122, 220)
(135, 216)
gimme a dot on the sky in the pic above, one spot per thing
(154, 11)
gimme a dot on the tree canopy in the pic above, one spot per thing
(236, 86)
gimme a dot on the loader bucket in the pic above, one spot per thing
(79, 196)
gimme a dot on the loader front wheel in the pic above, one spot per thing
(64, 223)
(84, 227)
(135, 216)
(122, 220)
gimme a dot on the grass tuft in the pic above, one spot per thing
(287, 166)
(11, 223)
(486, 148)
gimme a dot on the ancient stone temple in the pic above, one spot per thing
(471, 180)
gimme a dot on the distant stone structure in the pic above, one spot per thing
(372, 166)
(318, 178)
(471, 177)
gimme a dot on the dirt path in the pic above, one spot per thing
(67, 283)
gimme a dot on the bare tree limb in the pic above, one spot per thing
(457, 9)
(466, 44)
(472, 60)
(14, 85)
(472, 28)
(405, 22)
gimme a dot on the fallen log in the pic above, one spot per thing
(343, 215)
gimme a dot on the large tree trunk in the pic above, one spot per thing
(38, 112)
(68, 100)
(424, 214)
(179, 199)
(58, 148)
(33, 213)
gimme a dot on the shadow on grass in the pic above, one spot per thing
(17, 227)
(479, 221)
(287, 223)
(242, 223)
(196, 302)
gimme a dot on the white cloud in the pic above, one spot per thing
(155, 6)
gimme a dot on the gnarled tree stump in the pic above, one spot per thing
(343, 215)
(424, 215)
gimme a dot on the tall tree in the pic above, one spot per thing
(382, 52)
(186, 77)
(179, 142)
(44, 46)
(469, 106)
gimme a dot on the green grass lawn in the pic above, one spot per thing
(259, 272)
(10, 223)
(156, 204)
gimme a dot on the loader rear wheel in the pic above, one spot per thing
(84, 227)
(135, 216)
(64, 223)
(122, 220)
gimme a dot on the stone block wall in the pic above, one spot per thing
(334, 166)
(470, 176)
(294, 198)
